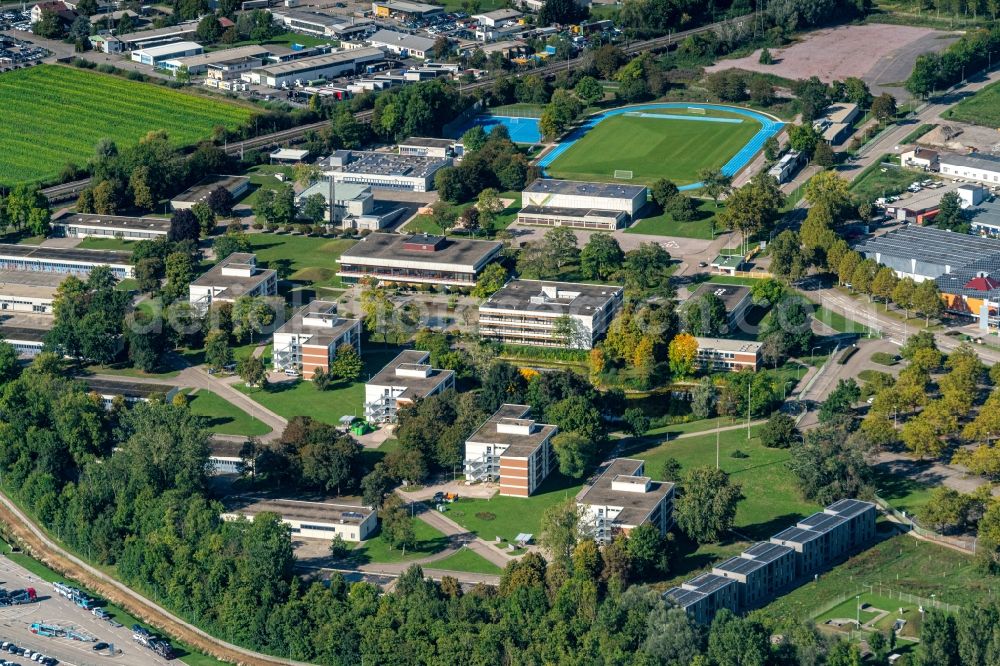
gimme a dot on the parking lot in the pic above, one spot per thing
(18, 53)
(51, 609)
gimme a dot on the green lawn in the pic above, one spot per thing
(466, 560)
(262, 177)
(664, 224)
(874, 182)
(186, 654)
(426, 224)
(507, 517)
(772, 499)
(223, 417)
(983, 108)
(301, 259)
(900, 564)
(376, 550)
(902, 493)
(106, 244)
(54, 115)
(302, 398)
(653, 148)
(284, 39)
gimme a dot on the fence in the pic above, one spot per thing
(886, 592)
(967, 545)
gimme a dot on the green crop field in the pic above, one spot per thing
(983, 108)
(653, 148)
(53, 115)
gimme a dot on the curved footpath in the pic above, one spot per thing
(51, 554)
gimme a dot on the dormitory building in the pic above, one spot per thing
(766, 569)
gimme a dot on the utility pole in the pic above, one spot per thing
(717, 433)
(749, 386)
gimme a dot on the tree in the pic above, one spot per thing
(787, 258)
(206, 218)
(251, 314)
(950, 214)
(397, 525)
(663, 191)
(601, 257)
(347, 364)
(283, 208)
(179, 272)
(829, 467)
(490, 205)
(738, 641)
(927, 300)
(803, 138)
(220, 201)
(829, 191)
(840, 401)
(490, 280)
(217, 351)
(703, 399)
(474, 138)
(765, 57)
(559, 529)
(707, 508)
(636, 420)
(231, 242)
(574, 452)
(8, 362)
(884, 107)
(209, 30)
(754, 207)
(252, 371)
(813, 97)
(761, 91)
(607, 59)
(560, 244)
(146, 341)
(564, 12)
(646, 269)
(682, 208)
(705, 316)
(589, 90)
(938, 644)
(823, 155)
(263, 207)
(648, 551)
(183, 226)
(715, 183)
(683, 353)
(314, 208)
(49, 25)
(779, 432)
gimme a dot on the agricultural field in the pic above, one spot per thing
(983, 108)
(654, 148)
(53, 115)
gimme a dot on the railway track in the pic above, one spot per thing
(67, 191)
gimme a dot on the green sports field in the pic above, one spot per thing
(654, 148)
(53, 115)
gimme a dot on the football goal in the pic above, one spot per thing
(697, 110)
(621, 174)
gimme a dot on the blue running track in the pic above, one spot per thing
(769, 128)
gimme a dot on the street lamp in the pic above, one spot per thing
(858, 621)
(749, 386)
(812, 354)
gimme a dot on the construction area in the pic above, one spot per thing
(64, 623)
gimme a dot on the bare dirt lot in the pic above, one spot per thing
(883, 55)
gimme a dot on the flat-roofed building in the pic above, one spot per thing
(726, 354)
(496, 17)
(157, 36)
(309, 340)
(224, 457)
(570, 203)
(623, 498)
(403, 44)
(199, 64)
(735, 297)
(28, 291)
(420, 259)
(762, 571)
(786, 167)
(25, 333)
(388, 171)
(350, 199)
(925, 253)
(154, 56)
(511, 449)
(705, 595)
(83, 225)
(326, 66)
(921, 207)
(237, 186)
(549, 314)
(236, 275)
(405, 9)
(405, 379)
(65, 261)
(421, 146)
(309, 22)
(130, 391)
(310, 520)
(860, 517)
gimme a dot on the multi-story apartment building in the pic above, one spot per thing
(405, 379)
(236, 275)
(512, 450)
(726, 354)
(623, 498)
(549, 314)
(309, 340)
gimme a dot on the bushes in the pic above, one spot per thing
(883, 358)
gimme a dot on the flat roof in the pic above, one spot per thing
(214, 276)
(327, 59)
(402, 40)
(821, 522)
(582, 188)
(30, 284)
(427, 142)
(732, 295)
(410, 7)
(123, 387)
(416, 387)
(796, 535)
(498, 14)
(327, 20)
(741, 566)
(927, 198)
(552, 297)
(975, 160)
(518, 446)
(74, 255)
(146, 35)
(572, 213)
(200, 190)
(458, 251)
(341, 191)
(124, 222)
(725, 344)
(728, 261)
(226, 55)
(708, 583)
(635, 506)
(767, 552)
(684, 598)
(930, 245)
(222, 448)
(300, 510)
(167, 49)
(849, 508)
(393, 164)
(319, 335)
